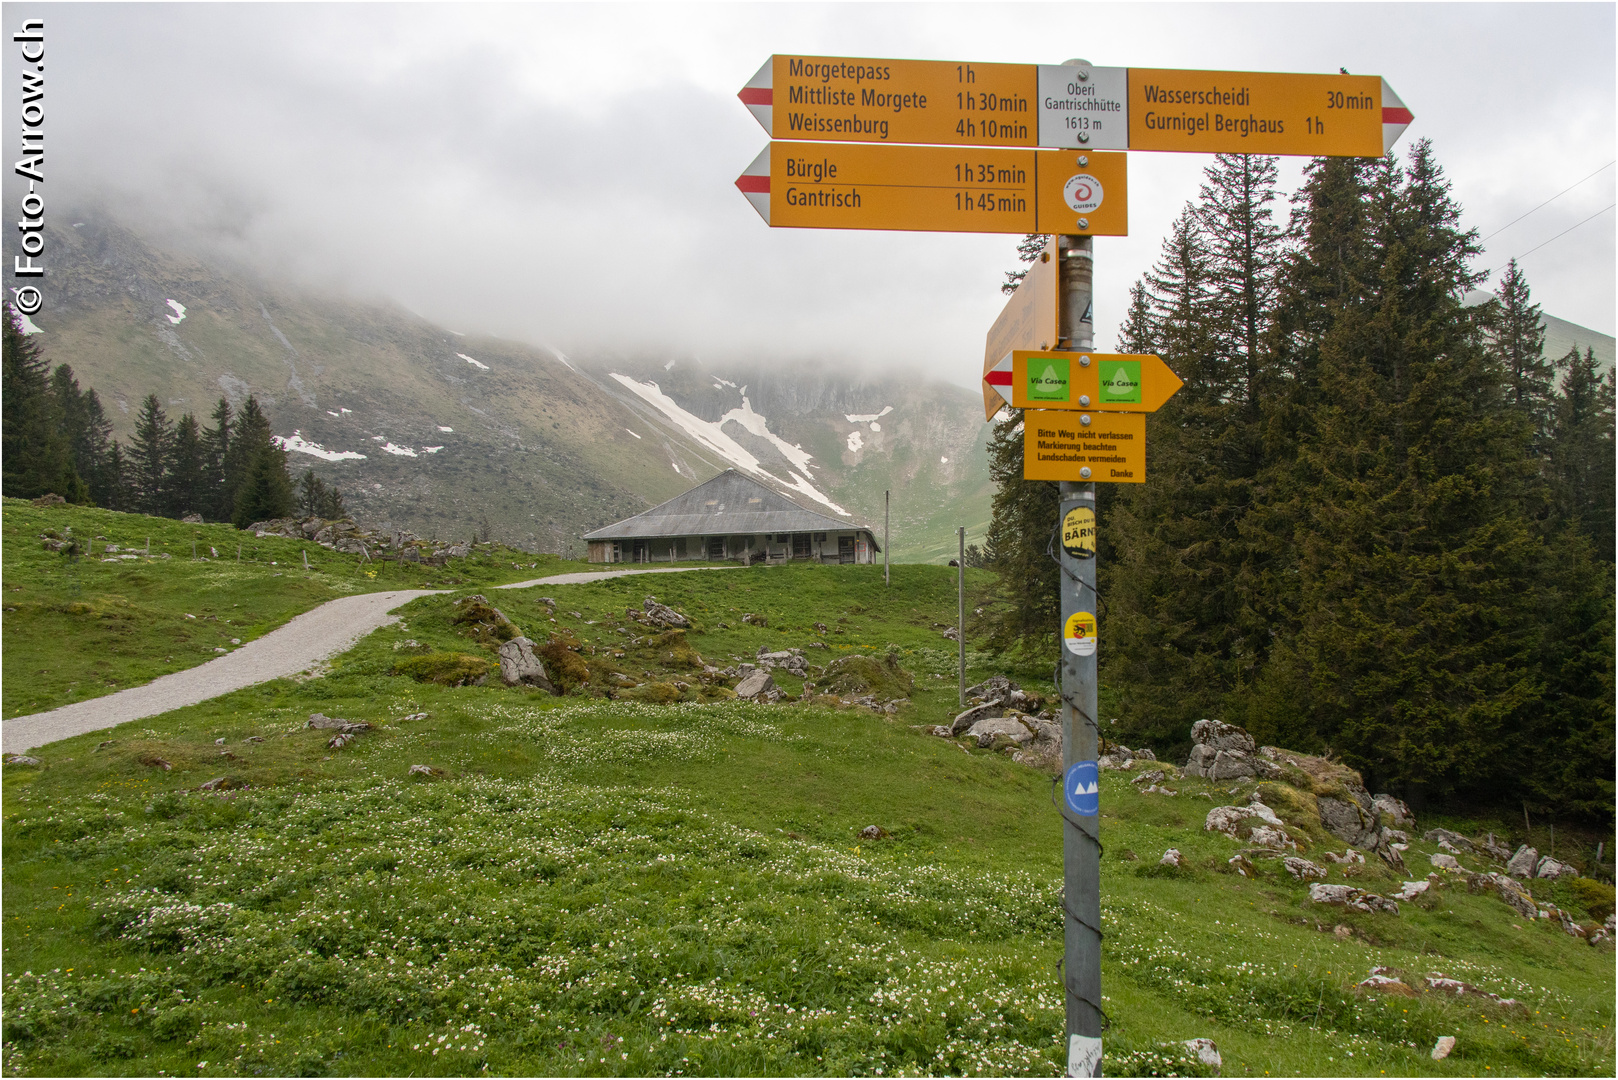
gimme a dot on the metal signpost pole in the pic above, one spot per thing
(885, 545)
(1081, 844)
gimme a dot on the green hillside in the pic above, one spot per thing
(583, 886)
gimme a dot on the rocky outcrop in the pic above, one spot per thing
(1394, 811)
(1522, 863)
(789, 660)
(1351, 898)
(343, 535)
(1550, 868)
(990, 728)
(663, 615)
(1222, 751)
(1000, 691)
(1255, 823)
(1303, 869)
(755, 685)
(519, 665)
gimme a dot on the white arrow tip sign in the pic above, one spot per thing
(1395, 117)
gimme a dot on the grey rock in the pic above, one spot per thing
(519, 665)
(1550, 868)
(664, 615)
(873, 832)
(1445, 862)
(1171, 857)
(1152, 777)
(218, 783)
(1303, 869)
(1352, 898)
(1438, 836)
(1349, 822)
(1522, 863)
(425, 770)
(1492, 846)
(987, 729)
(755, 684)
(1207, 1052)
(966, 718)
(1394, 811)
(1045, 751)
(1222, 736)
(21, 759)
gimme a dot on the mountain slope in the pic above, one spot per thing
(437, 432)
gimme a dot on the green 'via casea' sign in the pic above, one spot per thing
(1120, 382)
(1047, 379)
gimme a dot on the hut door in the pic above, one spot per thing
(640, 551)
(845, 549)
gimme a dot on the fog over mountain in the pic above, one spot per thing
(562, 176)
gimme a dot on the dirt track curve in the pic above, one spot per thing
(308, 639)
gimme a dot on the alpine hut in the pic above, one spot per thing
(731, 517)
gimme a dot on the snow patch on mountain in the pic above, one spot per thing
(855, 441)
(398, 451)
(712, 436)
(451, 430)
(636, 434)
(474, 363)
(866, 418)
(179, 312)
(297, 444)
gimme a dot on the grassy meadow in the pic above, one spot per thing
(674, 882)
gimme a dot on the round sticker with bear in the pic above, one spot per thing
(1079, 635)
(1083, 193)
(1079, 533)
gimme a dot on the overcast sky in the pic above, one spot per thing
(563, 174)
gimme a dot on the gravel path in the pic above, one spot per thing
(308, 639)
(305, 641)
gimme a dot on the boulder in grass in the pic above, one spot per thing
(1303, 869)
(755, 685)
(1395, 812)
(1445, 862)
(519, 665)
(987, 730)
(1171, 857)
(1522, 863)
(1442, 1047)
(1550, 868)
(1207, 1052)
(1350, 897)
(664, 615)
(21, 759)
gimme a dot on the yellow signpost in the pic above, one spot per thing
(939, 189)
(1084, 447)
(1112, 382)
(1080, 106)
(1245, 112)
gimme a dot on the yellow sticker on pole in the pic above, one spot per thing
(1079, 633)
(1079, 533)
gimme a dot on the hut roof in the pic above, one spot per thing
(728, 505)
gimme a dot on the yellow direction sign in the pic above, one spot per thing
(1245, 112)
(1107, 382)
(1081, 446)
(1029, 321)
(949, 103)
(841, 99)
(938, 189)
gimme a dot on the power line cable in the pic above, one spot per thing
(1569, 229)
(1489, 274)
(1547, 202)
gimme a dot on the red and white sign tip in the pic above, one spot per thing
(754, 182)
(759, 96)
(999, 377)
(1395, 117)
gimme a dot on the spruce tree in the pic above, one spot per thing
(1023, 516)
(148, 458)
(1517, 337)
(248, 432)
(30, 446)
(187, 472)
(215, 504)
(266, 490)
(1415, 546)
(1580, 444)
(84, 430)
